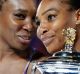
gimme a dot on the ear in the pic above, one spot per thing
(78, 16)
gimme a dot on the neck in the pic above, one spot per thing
(77, 44)
(7, 52)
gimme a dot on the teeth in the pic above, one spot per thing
(25, 37)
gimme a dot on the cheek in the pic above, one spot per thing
(61, 22)
(14, 25)
(10, 29)
(59, 26)
(56, 45)
(3, 30)
(60, 38)
(38, 32)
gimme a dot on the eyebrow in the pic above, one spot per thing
(22, 10)
(51, 9)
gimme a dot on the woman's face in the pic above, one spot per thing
(54, 16)
(16, 23)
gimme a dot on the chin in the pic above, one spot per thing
(53, 49)
(21, 47)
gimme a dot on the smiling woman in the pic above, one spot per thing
(51, 17)
(59, 29)
(16, 31)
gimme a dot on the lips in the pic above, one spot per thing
(24, 39)
(47, 39)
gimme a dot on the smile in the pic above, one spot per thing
(47, 40)
(24, 39)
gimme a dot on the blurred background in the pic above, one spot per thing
(36, 45)
(37, 2)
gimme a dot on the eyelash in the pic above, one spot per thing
(20, 16)
(51, 17)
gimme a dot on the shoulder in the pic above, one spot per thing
(32, 66)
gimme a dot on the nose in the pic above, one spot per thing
(43, 29)
(28, 26)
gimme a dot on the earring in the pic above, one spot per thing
(70, 35)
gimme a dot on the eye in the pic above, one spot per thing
(37, 21)
(20, 16)
(51, 17)
(33, 19)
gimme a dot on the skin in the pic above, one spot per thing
(16, 30)
(54, 16)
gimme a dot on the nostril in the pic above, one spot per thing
(44, 31)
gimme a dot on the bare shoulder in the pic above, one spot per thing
(12, 66)
(32, 67)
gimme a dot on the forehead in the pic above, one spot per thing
(22, 4)
(54, 4)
